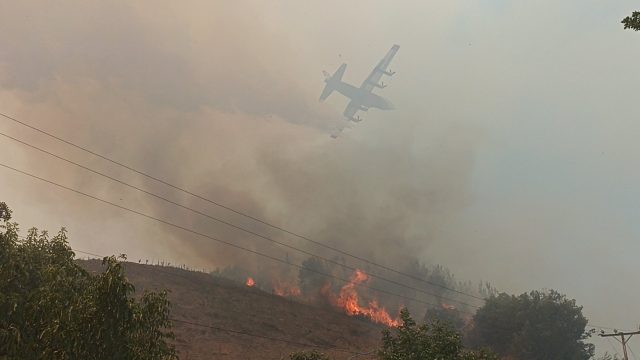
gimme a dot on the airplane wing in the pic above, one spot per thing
(380, 69)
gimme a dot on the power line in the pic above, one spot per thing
(237, 331)
(231, 244)
(612, 346)
(228, 223)
(164, 182)
(594, 326)
(232, 210)
(265, 294)
(216, 239)
(624, 339)
(632, 352)
(260, 293)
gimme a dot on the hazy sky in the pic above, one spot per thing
(512, 156)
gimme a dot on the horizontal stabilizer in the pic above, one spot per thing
(328, 89)
(332, 81)
(337, 76)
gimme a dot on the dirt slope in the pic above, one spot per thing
(220, 303)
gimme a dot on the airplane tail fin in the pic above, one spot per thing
(331, 80)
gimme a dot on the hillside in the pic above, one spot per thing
(217, 303)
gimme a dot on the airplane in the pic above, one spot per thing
(362, 98)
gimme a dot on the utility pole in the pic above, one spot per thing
(623, 340)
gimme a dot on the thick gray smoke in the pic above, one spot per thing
(231, 116)
(510, 157)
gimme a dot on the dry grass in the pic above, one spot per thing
(200, 298)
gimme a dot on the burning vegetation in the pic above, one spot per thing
(363, 293)
(281, 288)
(349, 300)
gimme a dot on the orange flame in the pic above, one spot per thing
(282, 289)
(250, 282)
(448, 306)
(349, 300)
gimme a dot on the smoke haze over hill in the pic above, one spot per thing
(511, 158)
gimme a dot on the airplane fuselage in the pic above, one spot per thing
(364, 98)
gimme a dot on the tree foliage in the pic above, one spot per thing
(537, 325)
(449, 316)
(311, 278)
(5, 212)
(633, 21)
(430, 341)
(54, 309)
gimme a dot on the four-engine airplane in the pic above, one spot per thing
(362, 98)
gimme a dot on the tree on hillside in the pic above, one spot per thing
(5, 212)
(633, 21)
(431, 341)
(410, 341)
(311, 278)
(537, 325)
(449, 316)
(53, 309)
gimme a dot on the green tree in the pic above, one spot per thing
(449, 316)
(537, 325)
(54, 309)
(633, 21)
(5, 212)
(431, 341)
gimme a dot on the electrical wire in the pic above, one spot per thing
(273, 226)
(239, 332)
(608, 328)
(334, 262)
(186, 229)
(227, 243)
(632, 353)
(262, 293)
(222, 221)
(613, 347)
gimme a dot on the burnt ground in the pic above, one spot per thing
(220, 304)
